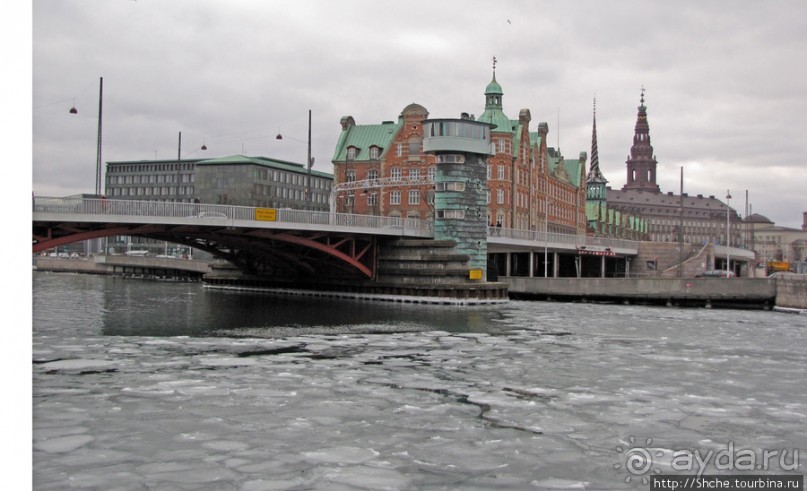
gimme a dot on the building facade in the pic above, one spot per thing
(261, 182)
(775, 243)
(236, 180)
(529, 185)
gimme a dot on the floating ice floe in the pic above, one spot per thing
(63, 444)
(78, 365)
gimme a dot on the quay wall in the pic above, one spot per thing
(791, 291)
(122, 265)
(703, 291)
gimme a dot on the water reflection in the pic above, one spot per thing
(125, 307)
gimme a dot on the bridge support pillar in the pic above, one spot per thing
(555, 264)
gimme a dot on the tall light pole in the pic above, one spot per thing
(546, 234)
(728, 234)
(179, 165)
(308, 195)
(681, 228)
(308, 162)
(98, 158)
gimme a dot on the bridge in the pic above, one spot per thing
(275, 241)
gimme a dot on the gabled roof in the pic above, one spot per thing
(363, 137)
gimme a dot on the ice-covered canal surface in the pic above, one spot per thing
(531, 395)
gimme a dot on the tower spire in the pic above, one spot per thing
(595, 181)
(493, 105)
(594, 173)
(641, 163)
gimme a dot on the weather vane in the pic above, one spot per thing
(494, 64)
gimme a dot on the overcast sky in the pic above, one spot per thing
(725, 82)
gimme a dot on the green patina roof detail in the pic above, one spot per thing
(363, 137)
(493, 87)
(535, 139)
(592, 210)
(575, 170)
(493, 113)
(611, 216)
(264, 162)
(496, 116)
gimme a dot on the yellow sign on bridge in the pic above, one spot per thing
(266, 214)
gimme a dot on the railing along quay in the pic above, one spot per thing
(573, 241)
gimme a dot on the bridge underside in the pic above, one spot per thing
(281, 254)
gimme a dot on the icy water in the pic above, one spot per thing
(170, 386)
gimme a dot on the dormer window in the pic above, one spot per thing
(351, 153)
(375, 152)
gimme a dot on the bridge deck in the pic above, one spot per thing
(91, 213)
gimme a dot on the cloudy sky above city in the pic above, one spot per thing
(725, 82)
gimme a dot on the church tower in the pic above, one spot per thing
(641, 162)
(595, 181)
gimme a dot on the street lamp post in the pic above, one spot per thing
(307, 192)
(728, 234)
(98, 153)
(546, 234)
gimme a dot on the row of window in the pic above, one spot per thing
(414, 197)
(457, 128)
(396, 174)
(148, 168)
(149, 179)
(287, 193)
(291, 178)
(150, 191)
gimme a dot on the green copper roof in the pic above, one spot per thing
(265, 162)
(363, 137)
(496, 116)
(493, 87)
(575, 170)
(493, 109)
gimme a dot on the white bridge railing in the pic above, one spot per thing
(573, 241)
(211, 213)
(227, 213)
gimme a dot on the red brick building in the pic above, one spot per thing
(528, 182)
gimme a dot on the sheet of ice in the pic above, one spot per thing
(541, 407)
